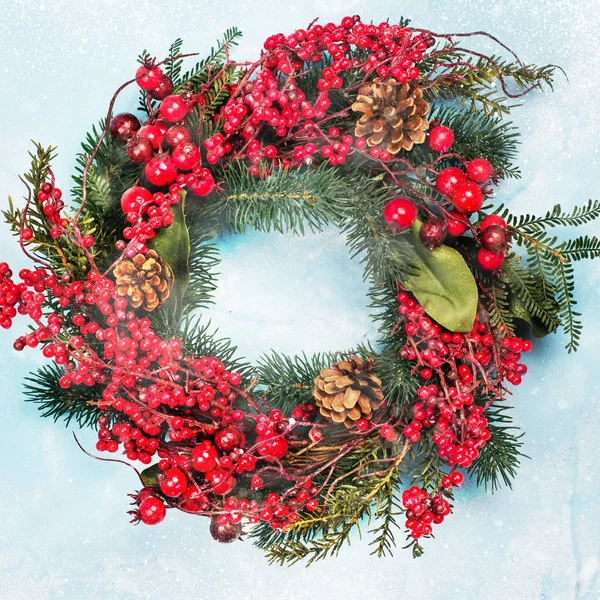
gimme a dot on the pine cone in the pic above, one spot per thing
(146, 280)
(348, 391)
(393, 115)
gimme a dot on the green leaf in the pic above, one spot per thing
(173, 245)
(150, 476)
(443, 284)
(520, 311)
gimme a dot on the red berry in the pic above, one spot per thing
(479, 170)
(88, 241)
(204, 457)
(492, 220)
(490, 260)
(174, 483)
(152, 510)
(153, 133)
(400, 213)
(467, 197)
(456, 223)
(27, 234)
(160, 170)
(186, 156)
(448, 179)
(177, 134)
(441, 138)
(133, 198)
(163, 89)
(221, 481)
(148, 77)
(225, 532)
(173, 108)
(227, 440)
(123, 126)
(203, 186)
(139, 149)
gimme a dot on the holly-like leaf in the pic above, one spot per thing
(443, 284)
(173, 245)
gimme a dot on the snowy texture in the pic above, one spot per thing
(64, 529)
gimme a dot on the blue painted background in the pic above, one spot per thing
(63, 528)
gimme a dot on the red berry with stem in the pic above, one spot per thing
(467, 197)
(163, 89)
(123, 126)
(494, 238)
(148, 77)
(133, 198)
(153, 133)
(479, 170)
(174, 483)
(400, 214)
(441, 138)
(152, 510)
(456, 223)
(186, 156)
(204, 457)
(173, 108)
(490, 261)
(139, 149)
(433, 233)
(160, 170)
(448, 179)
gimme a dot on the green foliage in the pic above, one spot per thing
(288, 380)
(369, 498)
(286, 201)
(551, 265)
(198, 75)
(476, 136)
(472, 80)
(387, 259)
(172, 244)
(443, 284)
(62, 256)
(499, 459)
(71, 404)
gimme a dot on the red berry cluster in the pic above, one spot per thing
(423, 510)
(465, 367)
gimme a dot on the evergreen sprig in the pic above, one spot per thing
(71, 404)
(499, 459)
(286, 201)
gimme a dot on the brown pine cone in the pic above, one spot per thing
(393, 115)
(146, 280)
(348, 391)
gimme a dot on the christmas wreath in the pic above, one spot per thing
(396, 135)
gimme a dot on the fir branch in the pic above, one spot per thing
(476, 135)
(287, 381)
(71, 404)
(286, 201)
(199, 339)
(198, 75)
(386, 258)
(174, 65)
(526, 285)
(556, 217)
(499, 459)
